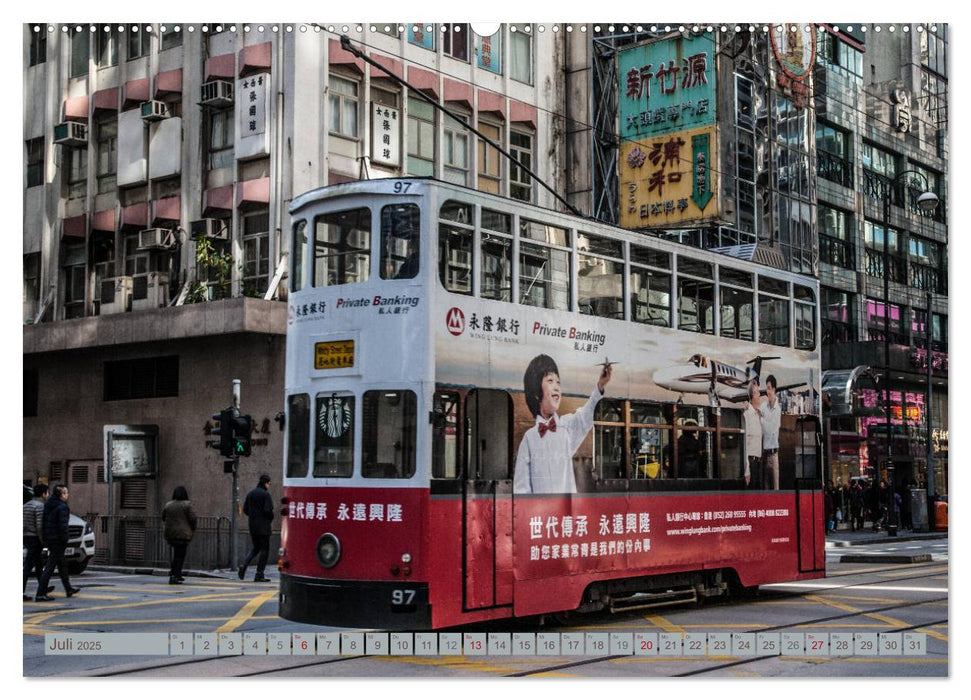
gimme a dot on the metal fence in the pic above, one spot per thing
(136, 540)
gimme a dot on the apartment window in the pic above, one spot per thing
(490, 173)
(455, 149)
(221, 137)
(141, 378)
(422, 35)
(31, 284)
(80, 51)
(876, 322)
(838, 315)
(31, 392)
(35, 162)
(835, 245)
(74, 280)
(455, 41)
(488, 52)
(171, 36)
(139, 40)
(107, 156)
(521, 53)
(933, 48)
(256, 253)
(520, 183)
(216, 277)
(342, 98)
(77, 173)
(421, 138)
(106, 46)
(838, 56)
(832, 155)
(38, 43)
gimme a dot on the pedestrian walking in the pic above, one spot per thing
(57, 515)
(857, 506)
(180, 526)
(33, 529)
(259, 507)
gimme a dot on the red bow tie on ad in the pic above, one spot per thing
(551, 426)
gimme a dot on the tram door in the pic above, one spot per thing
(810, 528)
(487, 499)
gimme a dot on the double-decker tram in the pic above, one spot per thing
(496, 410)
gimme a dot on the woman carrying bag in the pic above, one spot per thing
(180, 526)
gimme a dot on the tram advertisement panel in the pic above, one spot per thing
(584, 390)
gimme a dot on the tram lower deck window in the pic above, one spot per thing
(389, 424)
(334, 439)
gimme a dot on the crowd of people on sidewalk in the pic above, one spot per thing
(865, 504)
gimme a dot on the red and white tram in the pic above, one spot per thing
(415, 309)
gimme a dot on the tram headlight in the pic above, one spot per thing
(328, 550)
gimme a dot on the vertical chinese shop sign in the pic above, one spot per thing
(667, 109)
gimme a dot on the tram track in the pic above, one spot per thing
(553, 668)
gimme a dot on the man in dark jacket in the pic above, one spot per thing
(259, 507)
(33, 528)
(57, 515)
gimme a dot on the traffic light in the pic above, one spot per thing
(242, 435)
(225, 445)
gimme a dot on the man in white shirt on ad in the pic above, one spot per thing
(771, 413)
(754, 471)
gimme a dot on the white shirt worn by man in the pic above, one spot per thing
(771, 420)
(544, 463)
(753, 434)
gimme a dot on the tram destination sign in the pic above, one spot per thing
(334, 354)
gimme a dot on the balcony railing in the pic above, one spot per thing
(876, 186)
(928, 278)
(836, 252)
(874, 266)
(834, 169)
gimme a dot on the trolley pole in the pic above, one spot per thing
(234, 540)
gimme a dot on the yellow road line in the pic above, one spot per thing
(663, 623)
(246, 612)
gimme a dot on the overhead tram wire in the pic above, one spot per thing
(348, 46)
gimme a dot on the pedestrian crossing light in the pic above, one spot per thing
(242, 435)
(224, 431)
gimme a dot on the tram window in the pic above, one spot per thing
(544, 233)
(805, 323)
(731, 458)
(608, 458)
(496, 221)
(334, 438)
(400, 238)
(389, 424)
(455, 242)
(544, 277)
(445, 436)
(298, 435)
(298, 248)
(695, 268)
(696, 306)
(735, 277)
(496, 282)
(737, 307)
(488, 419)
(596, 245)
(648, 256)
(773, 286)
(600, 287)
(773, 320)
(650, 297)
(342, 247)
(694, 443)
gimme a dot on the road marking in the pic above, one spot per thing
(867, 586)
(247, 611)
(663, 623)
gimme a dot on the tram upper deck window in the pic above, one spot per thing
(496, 279)
(737, 304)
(334, 439)
(342, 247)
(455, 242)
(298, 248)
(390, 421)
(400, 241)
(696, 298)
(544, 271)
(600, 278)
(650, 289)
(805, 321)
(773, 311)
(298, 435)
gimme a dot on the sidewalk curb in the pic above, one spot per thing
(151, 571)
(884, 538)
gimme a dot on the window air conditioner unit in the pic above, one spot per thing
(150, 290)
(116, 295)
(154, 110)
(71, 134)
(217, 94)
(209, 228)
(155, 238)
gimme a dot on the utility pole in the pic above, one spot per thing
(234, 540)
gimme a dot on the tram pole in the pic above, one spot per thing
(234, 540)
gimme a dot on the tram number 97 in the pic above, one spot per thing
(401, 596)
(401, 187)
